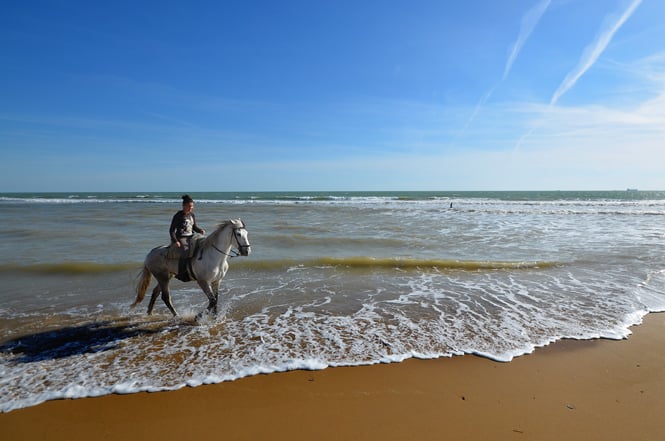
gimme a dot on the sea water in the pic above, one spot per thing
(334, 279)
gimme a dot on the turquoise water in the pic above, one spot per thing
(334, 279)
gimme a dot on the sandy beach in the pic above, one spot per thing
(572, 390)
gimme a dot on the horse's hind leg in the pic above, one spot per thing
(155, 292)
(166, 297)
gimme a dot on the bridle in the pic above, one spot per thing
(234, 253)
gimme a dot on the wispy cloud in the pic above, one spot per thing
(593, 51)
(529, 22)
(588, 59)
(636, 124)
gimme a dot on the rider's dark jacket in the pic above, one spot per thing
(183, 225)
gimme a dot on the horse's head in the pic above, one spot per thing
(241, 237)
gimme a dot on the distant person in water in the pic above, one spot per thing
(183, 226)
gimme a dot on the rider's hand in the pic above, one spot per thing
(177, 244)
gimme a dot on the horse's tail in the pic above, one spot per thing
(142, 285)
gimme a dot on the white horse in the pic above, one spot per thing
(208, 265)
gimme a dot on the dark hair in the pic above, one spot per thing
(186, 199)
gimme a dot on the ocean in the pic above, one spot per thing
(334, 279)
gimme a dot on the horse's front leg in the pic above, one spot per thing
(212, 296)
(215, 289)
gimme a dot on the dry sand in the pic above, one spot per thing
(571, 390)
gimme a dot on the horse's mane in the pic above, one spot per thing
(211, 239)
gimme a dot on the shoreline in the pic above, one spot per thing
(571, 389)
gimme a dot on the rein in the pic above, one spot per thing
(235, 252)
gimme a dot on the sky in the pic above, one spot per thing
(324, 96)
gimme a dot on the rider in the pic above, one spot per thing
(183, 226)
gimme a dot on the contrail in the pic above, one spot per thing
(529, 22)
(480, 104)
(592, 52)
(522, 139)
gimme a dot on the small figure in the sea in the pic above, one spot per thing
(451, 205)
(183, 226)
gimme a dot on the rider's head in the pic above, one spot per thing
(187, 203)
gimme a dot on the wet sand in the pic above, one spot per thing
(571, 390)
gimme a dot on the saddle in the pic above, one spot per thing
(185, 273)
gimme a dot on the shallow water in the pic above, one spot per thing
(334, 279)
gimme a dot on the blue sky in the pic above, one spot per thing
(362, 95)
